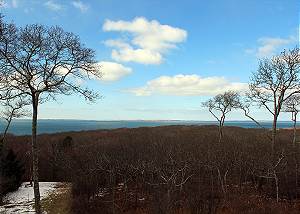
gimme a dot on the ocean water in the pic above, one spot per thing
(23, 126)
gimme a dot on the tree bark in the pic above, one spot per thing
(6, 130)
(1, 172)
(2, 145)
(274, 132)
(295, 129)
(220, 132)
(35, 158)
(221, 125)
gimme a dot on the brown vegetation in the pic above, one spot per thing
(171, 169)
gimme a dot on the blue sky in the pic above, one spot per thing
(161, 59)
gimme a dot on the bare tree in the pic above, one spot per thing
(276, 80)
(40, 62)
(220, 105)
(245, 104)
(12, 109)
(292, 105)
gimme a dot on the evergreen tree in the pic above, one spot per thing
(12, 171)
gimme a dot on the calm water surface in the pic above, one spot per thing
(23, 127)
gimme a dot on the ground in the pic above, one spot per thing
(58, 201)
(22, 200)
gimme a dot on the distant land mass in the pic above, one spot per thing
(23, 126)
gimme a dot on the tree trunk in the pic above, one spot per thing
(220, 132)
(1, 173)
(2, 145)
(35, 158)
(6, 130)
(296, 175)
(295, 129)
(274, 131)
(277, 186)
(221, 124)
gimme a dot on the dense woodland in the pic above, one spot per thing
(172, 169)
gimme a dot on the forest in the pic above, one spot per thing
(172, 169)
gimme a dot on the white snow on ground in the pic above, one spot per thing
(22, 200)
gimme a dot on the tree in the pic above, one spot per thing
(220, 105)
(276, 80)
(11, 170)
(41, 62)
(292, 105)
(12, 108)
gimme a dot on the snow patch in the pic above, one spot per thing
(22, 200)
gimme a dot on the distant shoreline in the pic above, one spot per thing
(143, 120)
(48, 126)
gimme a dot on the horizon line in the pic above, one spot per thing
(150, 120)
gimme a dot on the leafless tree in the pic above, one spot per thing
(244, 105)
(40, 62)
(292, 105)
(12, 109)
(220, 105)
(276, 80)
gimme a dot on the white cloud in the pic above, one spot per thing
(269, 45)
(142, 56)
(126, 53)
(53, 5)
(112, 71)
(9, 4)
(149, 40)
(188, 85)
(106, 72)
(80, 5)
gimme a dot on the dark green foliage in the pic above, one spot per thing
(67, 142)
(12, 171)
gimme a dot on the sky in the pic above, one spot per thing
(161, 59)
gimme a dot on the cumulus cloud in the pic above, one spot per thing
(51, 5)
(188, 85)
(112, 71)
(80, 5)
(149, 40)
(106, 71)
(269, 45)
